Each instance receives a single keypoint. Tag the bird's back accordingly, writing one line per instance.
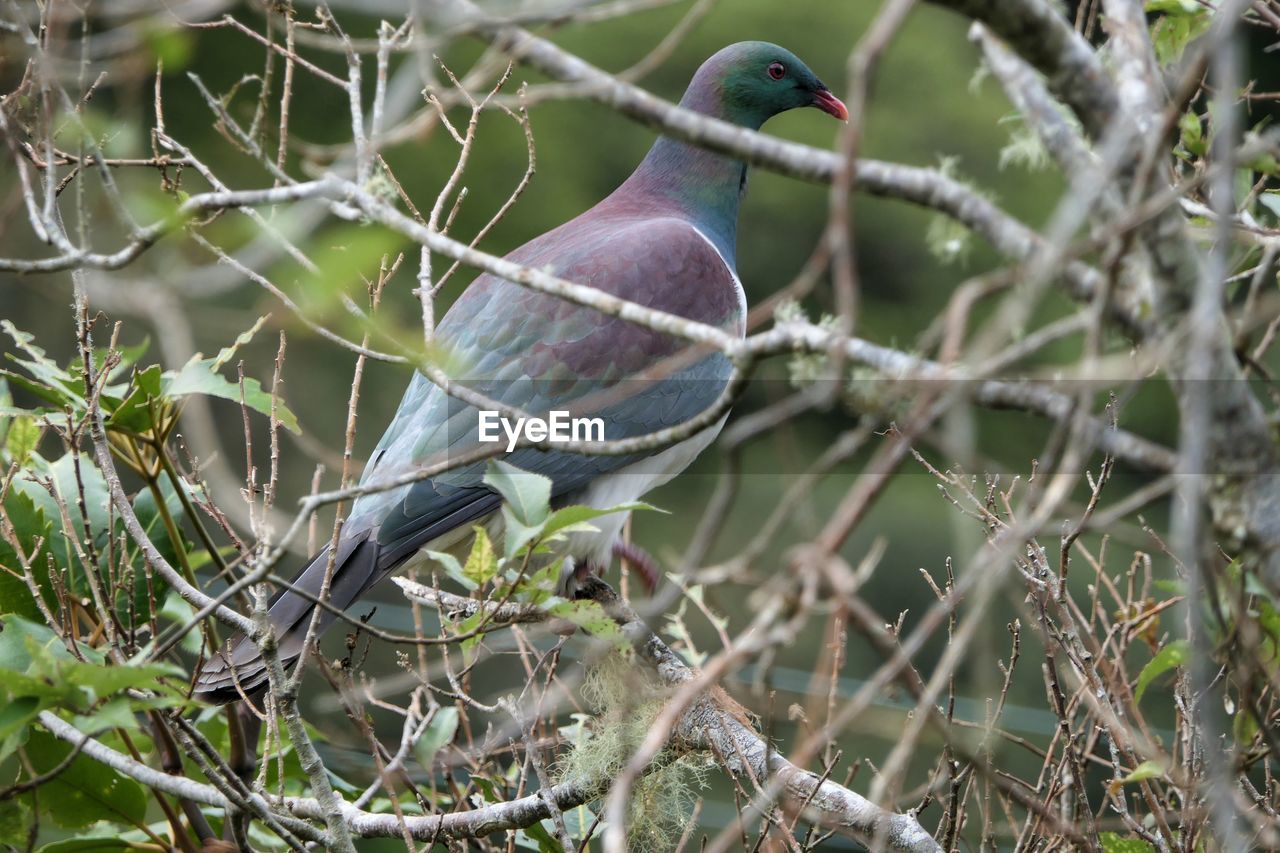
(538, 352)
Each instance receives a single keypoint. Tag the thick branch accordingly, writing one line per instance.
(1039, 32)
(512, 814)
(707, 726)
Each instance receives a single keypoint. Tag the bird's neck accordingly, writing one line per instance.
(694, 183)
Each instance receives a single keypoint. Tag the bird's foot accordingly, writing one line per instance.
(591, 586)
(644, 563)
(585, 577)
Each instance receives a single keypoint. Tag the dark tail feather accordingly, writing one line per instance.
(361, 562)
(238, 667)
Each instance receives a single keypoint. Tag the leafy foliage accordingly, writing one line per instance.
(1172, 655)
(64, 551)
(528, 571)
(85, 791)
(64, 542)
(1115, 843)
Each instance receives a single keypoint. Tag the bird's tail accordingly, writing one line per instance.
(238, 668)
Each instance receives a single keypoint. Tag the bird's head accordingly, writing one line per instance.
(749, 82)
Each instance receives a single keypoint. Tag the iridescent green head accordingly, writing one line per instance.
(749, 82)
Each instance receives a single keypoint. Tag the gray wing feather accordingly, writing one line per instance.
(532, 352)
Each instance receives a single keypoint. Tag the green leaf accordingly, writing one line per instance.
(1115, 843)
(14, 821)
(51, 662)
(199, 376)
(87, 845)
(7, 409)
(175, 609)
(453, 568)
(1269, 620)
(515, 533)
(30, 527)
(590, 617)
(34, 662)
(37, 515)
(439, 734)
(1173, 654)
(148, 511)
(21, 439)
(15, 716)
(528, 495)
(482, 563)
(1177, 28)
(126, 357)
(70, 475)
(572, 519)
(106, 680)
(541, 835)
(1171, 586)
(487, 788)
(86, 791)
(119, 713)
(51, 381)
(15, 653)
(129, 355)
(1270, 199)
(133, 413)
(1192, 133)
(1145, 770)
(1173, 7)
(579, 821)
(58, 399)
(542, 585)
(173, 46)
(229, 352)
(466, 626)
(1243, 728)
(1265, 163)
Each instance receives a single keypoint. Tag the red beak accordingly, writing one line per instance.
(830, 104)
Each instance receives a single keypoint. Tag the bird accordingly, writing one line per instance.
(666, 238)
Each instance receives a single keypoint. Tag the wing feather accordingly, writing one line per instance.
(540, 353)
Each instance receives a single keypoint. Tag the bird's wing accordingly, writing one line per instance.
(532, 352)
(540, 353)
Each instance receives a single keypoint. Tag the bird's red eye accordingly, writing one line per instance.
(777, 70)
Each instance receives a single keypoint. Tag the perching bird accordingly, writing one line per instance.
(666, 238)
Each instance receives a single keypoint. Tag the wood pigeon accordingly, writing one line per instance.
(666, 239)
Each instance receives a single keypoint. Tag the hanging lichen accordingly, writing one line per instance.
(626, 702)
